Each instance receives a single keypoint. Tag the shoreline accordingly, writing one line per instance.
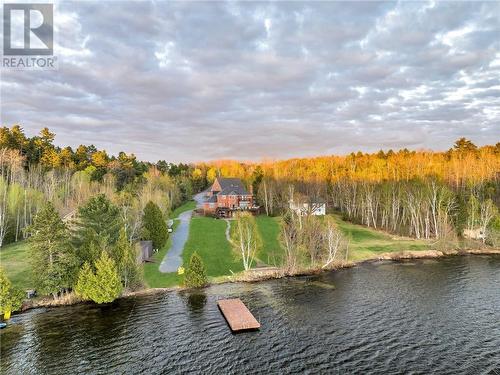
(269, 273)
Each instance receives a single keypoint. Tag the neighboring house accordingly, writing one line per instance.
(226, 196)
(312, 208)
(475, 234)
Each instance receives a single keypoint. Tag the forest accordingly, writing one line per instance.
(82, 210)
(420, 194)
(81, 213)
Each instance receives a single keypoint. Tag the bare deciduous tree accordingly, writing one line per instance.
(245, 238)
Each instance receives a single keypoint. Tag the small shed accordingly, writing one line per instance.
(145, 251)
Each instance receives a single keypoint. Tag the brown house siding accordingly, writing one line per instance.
(238, 198)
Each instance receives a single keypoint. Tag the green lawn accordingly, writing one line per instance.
(366, 243)
(207, 237)
(14, 260)
(189, 205)
(272, 252)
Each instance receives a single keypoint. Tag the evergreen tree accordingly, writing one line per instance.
(125, 257)
(11, 299)
(98, 222)
(86, 283)
(52, 258)
(464, 146)
(155, 225)
(196, 275)
(103, 286)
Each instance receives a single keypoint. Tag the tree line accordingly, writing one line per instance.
(422, 194)
(33, 170)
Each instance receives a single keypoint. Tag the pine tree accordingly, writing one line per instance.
(107, 280)
(103, 286)
(98, 222)
(52, 258)
(155, 225)
(86, 283)
(125, 257)
(196, 276)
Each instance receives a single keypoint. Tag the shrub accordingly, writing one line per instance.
(196, 275)
(11, 299)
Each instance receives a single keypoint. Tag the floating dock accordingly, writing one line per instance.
(237, 315)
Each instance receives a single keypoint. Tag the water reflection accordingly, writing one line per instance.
(196, 301)
(377, 318)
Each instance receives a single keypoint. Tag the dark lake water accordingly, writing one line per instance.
(426, 316)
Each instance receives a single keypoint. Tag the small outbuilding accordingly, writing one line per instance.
(316, 208)
(145, 251)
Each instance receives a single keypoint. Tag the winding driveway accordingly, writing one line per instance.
(173, 258)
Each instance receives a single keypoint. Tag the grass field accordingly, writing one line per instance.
(272, 253)
(14, 260)
(207, 237)
(189, 205)
(365, 243)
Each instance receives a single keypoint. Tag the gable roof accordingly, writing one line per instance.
(231, 186)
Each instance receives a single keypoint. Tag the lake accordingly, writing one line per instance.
(423, 316)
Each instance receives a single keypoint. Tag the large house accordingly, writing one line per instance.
(226, 196)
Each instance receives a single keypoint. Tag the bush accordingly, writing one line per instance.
(155, 226)
(196, 275)
(11, 299)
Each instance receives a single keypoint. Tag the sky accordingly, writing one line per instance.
(193, 81)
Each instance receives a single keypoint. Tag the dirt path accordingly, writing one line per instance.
(228, 230)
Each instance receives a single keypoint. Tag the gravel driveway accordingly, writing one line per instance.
(173, 258)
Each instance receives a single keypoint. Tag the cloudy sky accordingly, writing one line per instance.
(189, 81)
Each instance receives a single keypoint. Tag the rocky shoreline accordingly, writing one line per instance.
(268, 273)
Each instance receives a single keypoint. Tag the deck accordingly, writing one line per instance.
(237, 315)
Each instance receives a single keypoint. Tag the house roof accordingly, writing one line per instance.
(232, 186)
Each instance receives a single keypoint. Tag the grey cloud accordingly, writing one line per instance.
(187, 81)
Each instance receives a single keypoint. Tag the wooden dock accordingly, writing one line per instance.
(237, 315)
